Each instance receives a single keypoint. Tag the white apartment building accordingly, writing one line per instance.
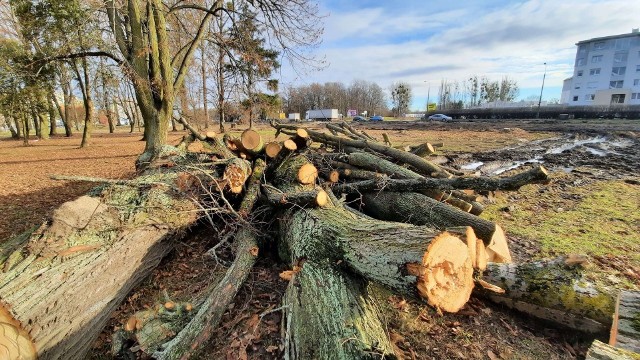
(606, 72)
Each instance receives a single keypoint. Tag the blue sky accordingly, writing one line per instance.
(422, 42)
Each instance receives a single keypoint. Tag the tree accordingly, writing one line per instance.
(400, 98)
(157, 70)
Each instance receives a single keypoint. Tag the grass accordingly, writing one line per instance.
(604, 220)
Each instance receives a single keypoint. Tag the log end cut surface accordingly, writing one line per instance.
(15, 342)
(447, 280)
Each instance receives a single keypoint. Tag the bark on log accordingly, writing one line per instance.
(537, 175)
(602, 351)
(625, 332)
(419, 209)
(414, 260)
(189, 341)
(316, 197)
(553, 290)
(327, 315)
(63, 284)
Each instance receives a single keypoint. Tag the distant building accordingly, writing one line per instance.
(606, 72)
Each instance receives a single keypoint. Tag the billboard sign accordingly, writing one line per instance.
(352, 112)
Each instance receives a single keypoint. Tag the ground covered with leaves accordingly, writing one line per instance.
(591, 207)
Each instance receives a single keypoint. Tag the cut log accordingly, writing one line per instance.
(252, 141)
(62, 286)
(210, 135)
(301, 138)
(553, 290)
(423, 150)
(316, 197)
(625, 331)
(413, 260)
(602, 351)
(419, 209)
(468, 236)
(327, 315)
(236, 174)
(272, 149)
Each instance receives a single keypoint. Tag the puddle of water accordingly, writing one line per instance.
(597, 152)
(574, 144)
(515, 165)
(472, 166)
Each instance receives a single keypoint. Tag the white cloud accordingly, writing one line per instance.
(514, 39)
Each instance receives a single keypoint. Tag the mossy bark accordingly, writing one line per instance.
(327, 315)
(602, 351)
(62, 285)
(553, 290)
(420, 209)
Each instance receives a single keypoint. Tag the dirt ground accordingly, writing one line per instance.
(595, 195)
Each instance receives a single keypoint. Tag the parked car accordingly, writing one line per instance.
(440, 117)
(359, 118)
(376, 118)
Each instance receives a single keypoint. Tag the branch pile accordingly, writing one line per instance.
(349, 210)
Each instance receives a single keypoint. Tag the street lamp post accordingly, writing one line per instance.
(428, 93)
(541, 89)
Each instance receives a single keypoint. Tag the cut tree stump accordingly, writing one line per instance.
(625, 331)
(59, 289)
(553, 290)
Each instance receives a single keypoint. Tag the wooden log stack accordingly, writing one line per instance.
(413, 231)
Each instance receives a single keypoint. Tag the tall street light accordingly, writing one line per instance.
(541, 89)
(428, 93)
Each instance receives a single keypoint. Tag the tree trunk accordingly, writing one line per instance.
(61, 286)
(553, 290)
(7, 122)
(625, 332)
(414, 260)
(328, 315)
(53, 130)
(419, 209)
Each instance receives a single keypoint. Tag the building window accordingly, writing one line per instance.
(636, 82)
(599, 45)
(579, 72)
(635, 96)
(637, 68)
(596, 58)
(622, 44)
(582, 49)
(592, 85)
(580, 62)
(620, 57)
(618, 70)
(590, 97)
(616, 84)
(617, 98)
(575, 98)
(577, 86)
(595, 71)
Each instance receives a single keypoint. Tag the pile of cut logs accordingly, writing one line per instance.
(349, 210)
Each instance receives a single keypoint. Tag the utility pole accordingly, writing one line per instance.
(541, 89)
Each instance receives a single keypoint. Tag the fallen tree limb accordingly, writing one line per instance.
(553, 290)
(536, 175)
(419, 209)
(189, 341)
